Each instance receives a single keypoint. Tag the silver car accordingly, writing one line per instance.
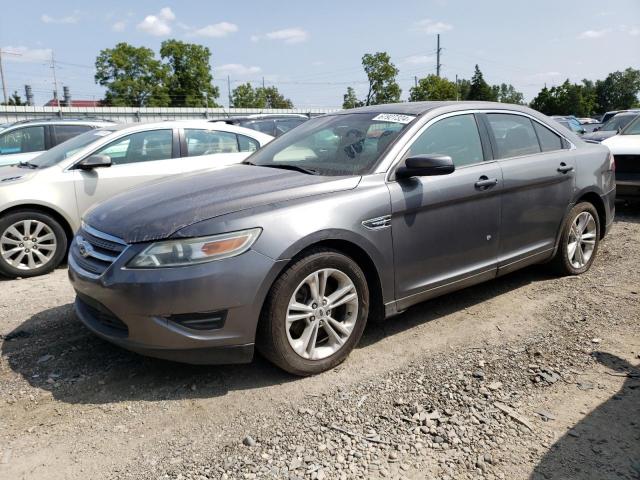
(351, 215)
(21, 141)
(42, 200)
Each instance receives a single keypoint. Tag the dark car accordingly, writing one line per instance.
(613, 126)
(351, 215)
(271, 124)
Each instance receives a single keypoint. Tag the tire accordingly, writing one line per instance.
(50, 246)
(276, 337)
(565, 262)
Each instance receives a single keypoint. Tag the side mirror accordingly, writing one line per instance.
(95, 161)
(426, 165)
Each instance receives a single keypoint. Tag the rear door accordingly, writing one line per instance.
(137, 158)
(446, 228)
(205, 149)
(538, 168)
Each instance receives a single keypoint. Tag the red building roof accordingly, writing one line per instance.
(74, 103)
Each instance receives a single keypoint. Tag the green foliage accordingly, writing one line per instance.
(383, 87)
(14, 100)
(480, 89)
(618, 91)
(433, 87)
(349, 100)
(132, 77)
(245, 96)
(190, 79)
(464, 86)
(508, 94)
(567, 99)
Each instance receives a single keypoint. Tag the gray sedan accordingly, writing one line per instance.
(349, 216)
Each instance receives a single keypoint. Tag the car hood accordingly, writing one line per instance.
(623, 144)
(156, 211)
(599, 135)
(12, 174)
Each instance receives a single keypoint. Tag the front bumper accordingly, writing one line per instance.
(133, 308)
(628, 185)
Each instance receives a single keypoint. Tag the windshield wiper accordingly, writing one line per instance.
(27, 164)
(286, 166)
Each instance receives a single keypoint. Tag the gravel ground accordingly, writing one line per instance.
(528, 376)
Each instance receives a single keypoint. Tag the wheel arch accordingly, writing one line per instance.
(594, 198)
(59, 217)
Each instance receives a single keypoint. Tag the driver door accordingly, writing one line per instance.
(136, 158)
(446, 228)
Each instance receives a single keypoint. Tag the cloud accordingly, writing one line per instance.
(432, 26)
(119, 26)
(237, 69)
(159, 24)
(74, 18)
(26, 54)
(287, 35)
(634, 31)
(216, 30)
(419, 59)
(588, 34)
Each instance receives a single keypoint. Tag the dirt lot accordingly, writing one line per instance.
(528, 376)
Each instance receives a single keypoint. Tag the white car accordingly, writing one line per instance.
(43, 200)
(26, 139)
(625, 148)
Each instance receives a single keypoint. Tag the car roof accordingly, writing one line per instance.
(261, 116)
(420, 108)
(200, 124)
(61, 121)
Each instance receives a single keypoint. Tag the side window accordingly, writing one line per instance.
(549, 141)
(66, 132)
(139, 147)
(514, 135)
(456, 136)
(208, 142)
(264, 126)
(247, 144)
(22, 140)
(283, 126)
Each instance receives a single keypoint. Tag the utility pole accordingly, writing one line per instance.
(438, 65)
(4, 85)
(457, 89)
(262, 83)
(415, 81)
(229, 89)
(55, 82)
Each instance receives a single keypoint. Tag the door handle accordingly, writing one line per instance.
(564, 168)
(485, 183)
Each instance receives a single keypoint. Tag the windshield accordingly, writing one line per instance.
(334, 145)
(633, 128)
(68, 148)
(619, 121)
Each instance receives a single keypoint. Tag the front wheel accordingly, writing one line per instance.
(31, 243)
(315, 313)
(579, 240)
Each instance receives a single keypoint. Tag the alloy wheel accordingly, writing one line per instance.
(28, 244)
(322, 314)
(582, 240)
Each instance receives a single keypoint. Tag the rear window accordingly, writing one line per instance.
(549, 141)
(209, 142)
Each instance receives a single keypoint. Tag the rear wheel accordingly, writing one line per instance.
(31, 243)
(315, 313)
(579, 241)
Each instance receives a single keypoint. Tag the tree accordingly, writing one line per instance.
(132, 77)
(566, 99)
(383, 87)
(480, 89)
(14, 100)
(245, 96)
(349, 100)
(433, 87)
(619, 90)
(508, 94)
(190, 79)
(464, 86)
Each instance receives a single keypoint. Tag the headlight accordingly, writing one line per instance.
(190, 251)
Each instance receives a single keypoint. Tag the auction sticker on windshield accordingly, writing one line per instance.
(394, 117)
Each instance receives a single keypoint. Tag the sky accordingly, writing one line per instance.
(312, 50)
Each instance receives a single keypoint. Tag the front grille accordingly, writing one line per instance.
(627, 163)
(94, 251)
(102, 315)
